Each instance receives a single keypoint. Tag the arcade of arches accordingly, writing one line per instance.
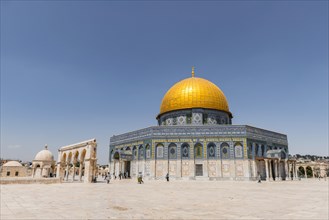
(218, 160)
(78, 162)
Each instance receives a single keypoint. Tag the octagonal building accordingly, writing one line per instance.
(195, 139)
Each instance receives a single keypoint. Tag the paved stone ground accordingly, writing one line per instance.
(125, 199)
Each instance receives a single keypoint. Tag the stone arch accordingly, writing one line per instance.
(211, 150)
(116, 155)
(225, 150)
(172, 151)
(83, 155)
(69, 158)
(185, 151)
(198, 151)
(76, 157)
(63, 158)
(309, 171)
(301, 171)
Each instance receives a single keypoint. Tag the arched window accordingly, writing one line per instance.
(250, 150)
(116, 155)
(238, 150)
(198, 151)
(141, 153)
(148, 152)
(256, 149)
(159, 151)
(172, 149)
(225, 151)
(211, 151)
(185, 151)
(134, 153)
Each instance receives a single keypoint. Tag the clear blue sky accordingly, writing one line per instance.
(75, 70)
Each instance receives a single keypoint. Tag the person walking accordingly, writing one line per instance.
(167, 177)
(107, 178)
(140, 178)
(259, 178)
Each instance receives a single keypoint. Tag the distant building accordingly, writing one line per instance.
(13, 169)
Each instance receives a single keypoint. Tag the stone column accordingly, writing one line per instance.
(305, 172)
(313, 171)
(88, 174)
(266, 169)
(58, 171)
(73, 172)
(271, 175)
(279, 170)
(275, 170)
(260, 151)
(166, 148)
(67, 171)
(253, 150)
(286, 169)
(296, 170)
(80, 171)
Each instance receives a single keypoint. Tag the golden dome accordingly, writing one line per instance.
(194, 92)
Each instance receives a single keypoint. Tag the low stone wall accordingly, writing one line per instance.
(28, 180)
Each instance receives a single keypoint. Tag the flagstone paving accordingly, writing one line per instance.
(125, 199)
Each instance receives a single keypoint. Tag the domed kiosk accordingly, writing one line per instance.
(195, 139)
(43, 164)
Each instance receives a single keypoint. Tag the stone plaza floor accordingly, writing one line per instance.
(125, 199)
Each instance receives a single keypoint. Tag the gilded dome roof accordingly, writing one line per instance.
(44, 155)
(194, 92)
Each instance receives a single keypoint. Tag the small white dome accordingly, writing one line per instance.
(44, 155)
(13, 164)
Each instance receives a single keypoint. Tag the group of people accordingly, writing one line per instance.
(125, 176)
(121, 175)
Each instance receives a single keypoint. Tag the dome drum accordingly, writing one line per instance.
(196, 116)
